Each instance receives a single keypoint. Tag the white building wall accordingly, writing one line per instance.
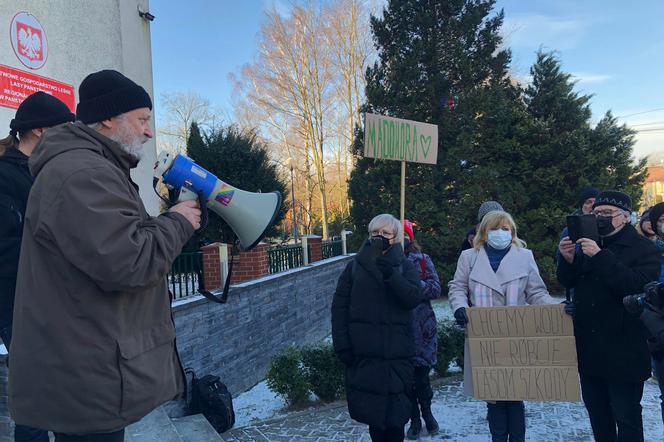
(85, 36)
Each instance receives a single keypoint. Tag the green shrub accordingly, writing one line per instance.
(323, 371)
(286, 376)
(458, 337)
(450, 346)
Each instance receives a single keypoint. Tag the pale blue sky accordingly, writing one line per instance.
(613, 47)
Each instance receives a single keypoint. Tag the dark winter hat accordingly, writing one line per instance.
(486, 207)
(613, 198)
(106, 94)
(645, 216)
(588, 192)
(39, 110)
(655, 212)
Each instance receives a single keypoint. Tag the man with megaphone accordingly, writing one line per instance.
(94, 343)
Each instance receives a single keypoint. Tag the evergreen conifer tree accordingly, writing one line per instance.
(429, 53)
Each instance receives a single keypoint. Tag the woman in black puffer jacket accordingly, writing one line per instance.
(372, 330)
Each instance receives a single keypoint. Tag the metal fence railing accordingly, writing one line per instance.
(185, 273)
(332, 248)
(283, 258)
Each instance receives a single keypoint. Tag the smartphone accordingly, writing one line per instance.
(582, 226)
(376, 246)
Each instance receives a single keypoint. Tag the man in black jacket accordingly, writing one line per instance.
(611, 343)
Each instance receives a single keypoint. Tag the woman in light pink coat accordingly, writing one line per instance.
(498, 271)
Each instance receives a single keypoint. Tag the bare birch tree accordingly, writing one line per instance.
(304, 91)
(181, 109)
(291, 81)
(351, 49)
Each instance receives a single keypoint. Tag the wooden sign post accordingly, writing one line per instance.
(390, 138)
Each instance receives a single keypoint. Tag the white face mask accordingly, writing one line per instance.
(499, 239)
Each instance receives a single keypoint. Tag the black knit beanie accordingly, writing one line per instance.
(655, 212)
(106, 94)
(39, 110)
(588, 192)
(645, 216)
(613, 198)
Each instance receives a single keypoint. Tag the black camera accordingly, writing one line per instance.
(653, 296)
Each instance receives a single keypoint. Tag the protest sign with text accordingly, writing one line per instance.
(390, 138)
(522, 353)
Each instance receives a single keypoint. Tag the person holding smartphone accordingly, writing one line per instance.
(610, 342)
(372, 330)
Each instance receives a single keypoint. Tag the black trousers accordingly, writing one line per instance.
(7, 288)
(507, 421)
(29, 434)
(611, 405)
(117, 436)
(387, 435)
(422, 388)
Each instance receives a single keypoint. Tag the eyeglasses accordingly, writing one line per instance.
(386, 233)
(606, 213)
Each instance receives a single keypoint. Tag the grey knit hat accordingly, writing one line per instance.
(486, 207)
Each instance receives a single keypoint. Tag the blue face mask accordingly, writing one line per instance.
(499, 239)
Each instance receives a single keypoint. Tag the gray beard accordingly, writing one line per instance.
(129, 144)
(135, 150)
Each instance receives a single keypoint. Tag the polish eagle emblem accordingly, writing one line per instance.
(30, 44)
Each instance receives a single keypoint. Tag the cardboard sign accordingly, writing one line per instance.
(390, 138)
(525, 353)
(16, 85)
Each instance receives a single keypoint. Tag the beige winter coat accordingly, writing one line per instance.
(516, 282)
(93, 346)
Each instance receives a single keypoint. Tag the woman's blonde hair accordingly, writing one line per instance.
(494, 220)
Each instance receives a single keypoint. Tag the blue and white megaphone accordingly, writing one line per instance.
(249, 214)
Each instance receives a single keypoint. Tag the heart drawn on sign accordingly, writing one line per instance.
(426, 149)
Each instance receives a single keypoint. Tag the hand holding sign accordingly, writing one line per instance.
(522, 353)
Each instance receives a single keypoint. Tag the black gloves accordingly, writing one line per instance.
(461, 316)
(385, 266)
(569, 308)
(346, 357)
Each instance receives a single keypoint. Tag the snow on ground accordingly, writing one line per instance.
(257, 404)
(441, 307)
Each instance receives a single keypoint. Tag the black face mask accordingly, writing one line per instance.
(605, 225)
(385, 241)
(406, 243)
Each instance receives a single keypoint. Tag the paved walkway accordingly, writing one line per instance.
(461, 419)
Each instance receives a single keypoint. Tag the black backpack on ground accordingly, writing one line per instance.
(210, 397)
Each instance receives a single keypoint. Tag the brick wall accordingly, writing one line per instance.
(250, 265)
(315, 247)
(212, 267)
